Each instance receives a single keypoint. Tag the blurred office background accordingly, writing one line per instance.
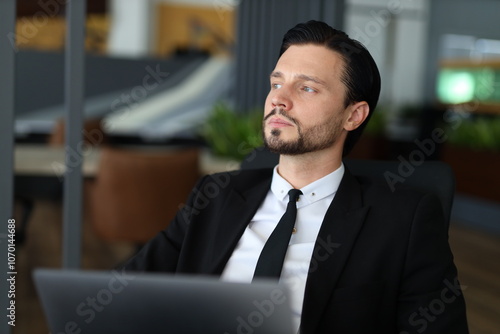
(174, 89)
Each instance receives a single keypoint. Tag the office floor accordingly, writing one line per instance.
(476, 255)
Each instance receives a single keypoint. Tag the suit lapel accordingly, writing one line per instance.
(239, 209)
(337, 236)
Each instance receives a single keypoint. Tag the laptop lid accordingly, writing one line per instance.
(100, 302)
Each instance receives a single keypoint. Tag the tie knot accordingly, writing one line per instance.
(294, 194)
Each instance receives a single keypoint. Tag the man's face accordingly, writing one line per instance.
(304, 110)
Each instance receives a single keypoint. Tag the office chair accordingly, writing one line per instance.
(430, 176)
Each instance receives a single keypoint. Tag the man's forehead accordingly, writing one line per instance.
(309, 62)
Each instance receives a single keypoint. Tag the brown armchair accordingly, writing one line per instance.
(137, 192)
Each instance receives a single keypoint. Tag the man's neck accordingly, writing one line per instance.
(301, 170)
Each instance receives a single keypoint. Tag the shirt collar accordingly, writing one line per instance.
(312, 192)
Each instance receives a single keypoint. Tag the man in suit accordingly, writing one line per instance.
(361, 258)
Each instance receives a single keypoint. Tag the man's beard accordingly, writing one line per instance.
(315, 138)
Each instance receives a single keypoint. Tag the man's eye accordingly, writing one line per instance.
(275, 85)
(308, 89)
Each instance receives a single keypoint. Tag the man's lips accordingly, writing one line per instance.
(277, 122)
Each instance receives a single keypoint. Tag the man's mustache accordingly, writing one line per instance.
(280, 112)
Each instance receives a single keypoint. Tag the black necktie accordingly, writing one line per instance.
(273, 254)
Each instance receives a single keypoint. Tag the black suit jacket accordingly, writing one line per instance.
(381, 263)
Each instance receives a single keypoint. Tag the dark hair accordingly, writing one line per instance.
(360, 76)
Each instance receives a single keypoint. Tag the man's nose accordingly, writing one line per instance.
(281, 100)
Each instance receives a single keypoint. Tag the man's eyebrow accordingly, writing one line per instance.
(304, 77)
(311, 78)
(276, 74)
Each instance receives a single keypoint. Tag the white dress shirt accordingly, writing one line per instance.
(311, 209)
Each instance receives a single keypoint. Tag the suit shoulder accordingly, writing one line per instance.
(380, 189)
(401, 203)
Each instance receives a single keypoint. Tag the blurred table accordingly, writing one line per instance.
(39, 174)
(43, 161)
(48, 161)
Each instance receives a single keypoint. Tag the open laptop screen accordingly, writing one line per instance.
(118, 302)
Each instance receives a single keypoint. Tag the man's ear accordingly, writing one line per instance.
(358, 112)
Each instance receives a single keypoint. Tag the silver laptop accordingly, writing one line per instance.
(99, 302)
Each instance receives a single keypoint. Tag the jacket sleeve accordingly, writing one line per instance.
(431, 298)
(161, 254)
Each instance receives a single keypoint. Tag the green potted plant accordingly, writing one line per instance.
(476, 133)
(473, 150)
(230, 135)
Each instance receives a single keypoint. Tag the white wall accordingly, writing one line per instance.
(395, 33)
(131, 28)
